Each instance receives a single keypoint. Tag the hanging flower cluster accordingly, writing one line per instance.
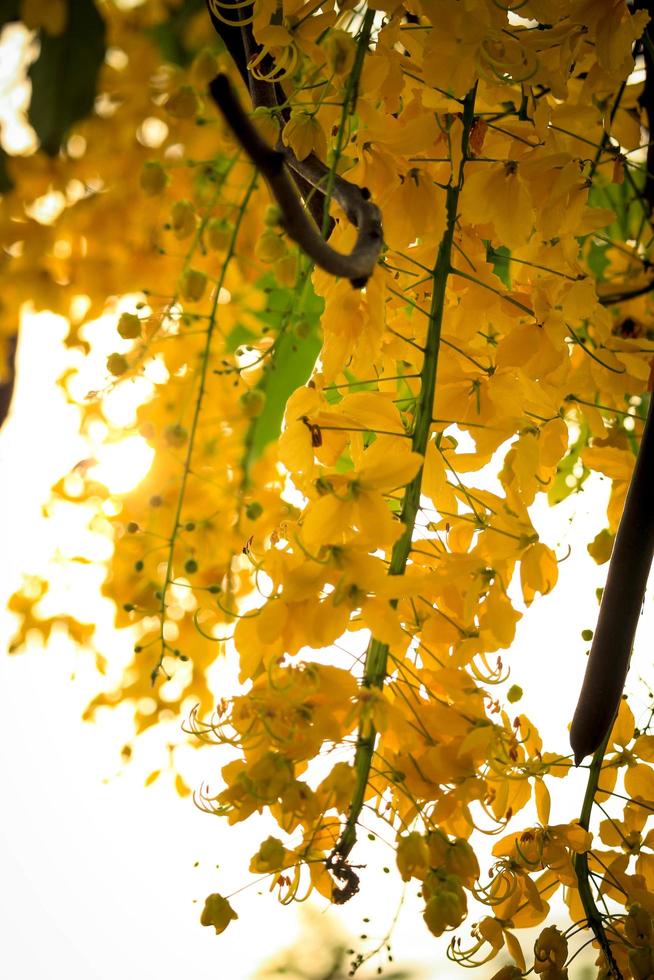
(318, 440)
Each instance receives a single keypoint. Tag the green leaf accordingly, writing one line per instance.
(598, 263)
(291, 365)
(292, 359)
(565, 482)
(501, 259)
(64, 76)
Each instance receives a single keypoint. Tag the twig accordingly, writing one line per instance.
(375, 669)
(593, 915)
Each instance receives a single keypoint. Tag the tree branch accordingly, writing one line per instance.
(359, 264)
(7, 386)
(236, 35)
(622, 599)
(594, 917)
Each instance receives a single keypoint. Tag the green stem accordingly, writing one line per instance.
(213, 319)
(349, 106)
(593, 915)
(375, 669)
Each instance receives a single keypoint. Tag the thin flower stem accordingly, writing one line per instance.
(359, 265)
(349, 106)
(498, 292)
(169, 577)
(594, 917)
(375, 669)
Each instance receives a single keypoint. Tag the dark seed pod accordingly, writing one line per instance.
(622, 599)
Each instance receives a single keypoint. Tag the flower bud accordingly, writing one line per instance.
(154, 178)
(217, 912)
(219, 234)
(129, 326)
(117, 364)
(182, 219)
(252, 402)
(550, 950)
(270, 246)
(461, 861)
(446, 903)
(183, 104)
(193, 285)
(412, 856)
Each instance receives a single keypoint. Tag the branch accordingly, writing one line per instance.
(625, 295)
(359, 264)
(7, 386)
(236, 34)
(622, 599)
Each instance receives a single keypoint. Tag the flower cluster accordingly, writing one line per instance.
(316, 488)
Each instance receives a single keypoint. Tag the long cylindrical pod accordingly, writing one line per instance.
(622, 599)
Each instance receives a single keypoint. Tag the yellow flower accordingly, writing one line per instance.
(446, 902)
(412, 856)
(217, 912)
(550, 951)
(271, 856)
(340, 48)
(304, 135)
(497, 195)
(538, 571)
(638, 926)
(355, 503)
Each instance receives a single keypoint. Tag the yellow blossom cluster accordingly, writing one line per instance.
(318, 443)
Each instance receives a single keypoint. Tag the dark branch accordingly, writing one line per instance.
(622, 599)
(7, 386)
(237, 37)
(626, 294)
(360, 263)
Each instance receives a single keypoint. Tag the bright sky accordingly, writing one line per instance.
(98, 872)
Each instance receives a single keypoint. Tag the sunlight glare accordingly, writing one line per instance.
(122, 465)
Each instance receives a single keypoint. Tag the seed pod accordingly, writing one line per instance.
(622, 599)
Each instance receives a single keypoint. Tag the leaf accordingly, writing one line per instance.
(542, 797)
(501, 259)
(64, 75)
(291, 363)
(566, 482)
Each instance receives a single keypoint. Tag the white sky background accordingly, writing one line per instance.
(97, 876)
